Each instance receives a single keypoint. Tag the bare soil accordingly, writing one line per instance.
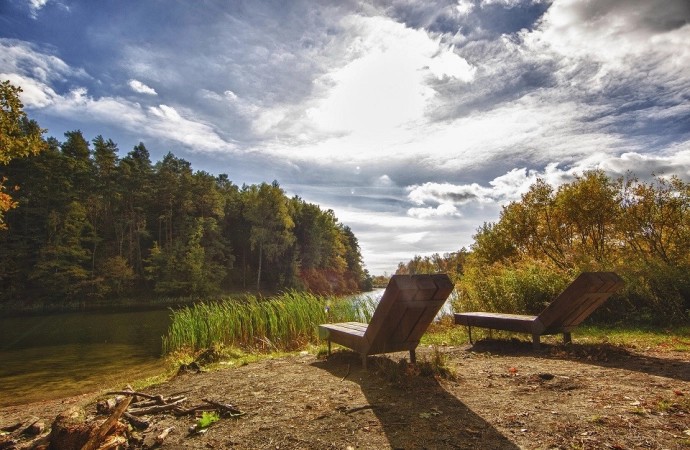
(504, 396)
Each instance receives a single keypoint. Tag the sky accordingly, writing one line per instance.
(413, 120)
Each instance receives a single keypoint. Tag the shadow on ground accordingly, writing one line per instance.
(415, 411)
(602, 355)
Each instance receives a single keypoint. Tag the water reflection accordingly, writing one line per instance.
(60, 355)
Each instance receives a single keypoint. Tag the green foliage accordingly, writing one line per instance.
(91, 225)
(639, 230)
(450, 263)
(524, 288)
(207, 419)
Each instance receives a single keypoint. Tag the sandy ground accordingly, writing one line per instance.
(504, 396)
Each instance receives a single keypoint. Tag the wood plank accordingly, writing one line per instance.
(405, 311)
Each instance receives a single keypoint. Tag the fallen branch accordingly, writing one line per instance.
(194, 409)
(224, 408)
(138, 394)
(160, 401)
(103, 430)
(346, 374)
(161, 437)
(156, 408)
(136, 422)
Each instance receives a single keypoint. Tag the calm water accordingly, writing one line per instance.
(48, 357)
(60, 355)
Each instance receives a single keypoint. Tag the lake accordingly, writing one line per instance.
(61, 355)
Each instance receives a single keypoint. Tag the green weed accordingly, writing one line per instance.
(207, 419)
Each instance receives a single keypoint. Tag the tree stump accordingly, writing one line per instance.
(69, 429)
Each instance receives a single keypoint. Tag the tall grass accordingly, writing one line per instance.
(285, 322)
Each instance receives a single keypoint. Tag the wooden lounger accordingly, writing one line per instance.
(407, 308)
(563, 315)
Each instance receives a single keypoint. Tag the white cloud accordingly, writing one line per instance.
(411, 238)
(141, 88)
(464, 7)
(444, 209)
(35, 6)
(382, 85)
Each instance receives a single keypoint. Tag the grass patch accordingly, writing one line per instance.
(637, 337)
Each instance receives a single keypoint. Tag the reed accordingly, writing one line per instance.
(285, 322)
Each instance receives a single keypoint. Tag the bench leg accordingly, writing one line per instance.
(567, 339)
(329, 347)
(413, 357)
(364, 361)
(535, 341)
(469, 334)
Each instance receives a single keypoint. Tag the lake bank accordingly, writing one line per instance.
(504, 396)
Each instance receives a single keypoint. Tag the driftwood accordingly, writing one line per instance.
(136, 422)
(224, 408)
(161, 401)
(194, 409)
(156, 408)
(137, 394)
(97, 437)
(164, 434)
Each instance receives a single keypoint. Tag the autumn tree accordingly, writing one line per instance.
(19, 137)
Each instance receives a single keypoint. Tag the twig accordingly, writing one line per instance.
(227, 408)
(138, 394)
(348, 373)
(135, 421)
(156, 408)
(161, 401)
(184, 412)
(161, 437)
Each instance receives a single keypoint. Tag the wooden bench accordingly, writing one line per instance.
(563, 315)
(408, 306)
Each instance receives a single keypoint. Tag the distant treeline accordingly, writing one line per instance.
(89, 224)
(641, 230)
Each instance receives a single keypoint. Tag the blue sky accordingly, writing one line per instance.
(414, 120)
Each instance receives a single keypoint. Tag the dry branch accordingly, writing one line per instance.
(156, 408)
(224, 408)
(103, 430)
(136, 422)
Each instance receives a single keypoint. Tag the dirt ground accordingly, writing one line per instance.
(504, 396)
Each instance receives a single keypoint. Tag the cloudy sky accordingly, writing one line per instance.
(414, 120)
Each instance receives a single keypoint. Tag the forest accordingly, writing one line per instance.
(82, 223)
(638, 229)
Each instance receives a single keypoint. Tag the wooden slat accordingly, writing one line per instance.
(407, 307)
(497, 321)
(585, 294)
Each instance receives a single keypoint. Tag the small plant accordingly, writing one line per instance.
(639, 411)
(207, 419)
(596, 419)
(437, 366)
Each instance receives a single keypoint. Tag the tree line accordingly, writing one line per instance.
(638, 229)
(85, 223)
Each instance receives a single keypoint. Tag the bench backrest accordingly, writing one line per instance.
(407, 308)
(579, 300)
